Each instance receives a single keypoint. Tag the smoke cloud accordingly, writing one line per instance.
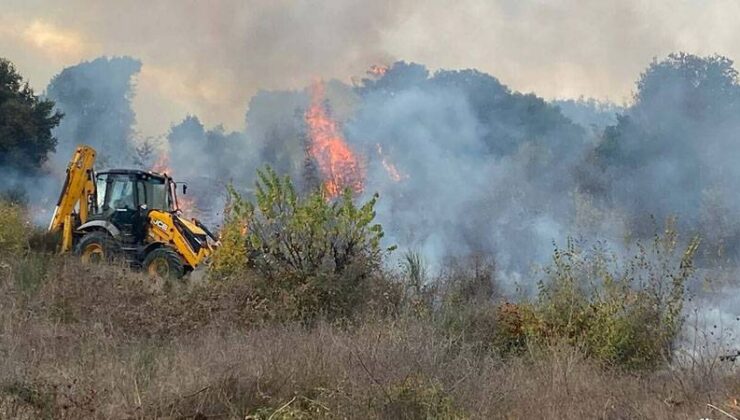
(479, 168)
(208, 60)
(95, 98)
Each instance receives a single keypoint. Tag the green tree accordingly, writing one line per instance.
(95, 97)
(681, 134)
(26, 122)
(314, 256)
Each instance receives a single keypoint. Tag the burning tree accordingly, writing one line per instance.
(338, 165)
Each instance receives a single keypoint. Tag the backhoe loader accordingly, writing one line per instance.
(130, 214)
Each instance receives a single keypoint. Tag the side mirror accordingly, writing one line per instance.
(184, 189)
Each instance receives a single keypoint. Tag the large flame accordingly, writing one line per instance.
(339, 166)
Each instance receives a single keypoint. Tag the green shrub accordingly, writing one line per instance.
(471, 323)
(14, 228)
(30, 271)
(464, 301)
(14, 195)
(40, 397)
(627, 314)
(468, 280)
(230, 257)
(418, 292)
(416, 398)
(42, 241)
(313, 256)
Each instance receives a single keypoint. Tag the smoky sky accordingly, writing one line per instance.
(209, 58)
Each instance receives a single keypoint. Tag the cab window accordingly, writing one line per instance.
(101, 184)
(157, 194)
(120, 193)
(141, 192)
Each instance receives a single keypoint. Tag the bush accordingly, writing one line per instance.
(230, 257)
(468, 280)
(30, 271)
(313, 256)
(626, 316)
(14, 195)
(460, 299)
(14, 228)
(515, 324)
(418, 293)
(416, 398)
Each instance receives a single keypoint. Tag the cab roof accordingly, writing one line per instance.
(135, 172)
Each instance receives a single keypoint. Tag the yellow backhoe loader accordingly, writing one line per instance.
(130, 214)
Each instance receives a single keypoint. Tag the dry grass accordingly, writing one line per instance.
(103, 342)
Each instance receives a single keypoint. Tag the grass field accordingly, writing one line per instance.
(104, 342)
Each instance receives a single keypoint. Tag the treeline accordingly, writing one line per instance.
(522, 170)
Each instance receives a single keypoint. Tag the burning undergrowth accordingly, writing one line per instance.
(465, 165)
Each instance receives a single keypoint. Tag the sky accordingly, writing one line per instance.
(209, 57)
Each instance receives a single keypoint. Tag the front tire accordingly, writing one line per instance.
(96, 247)
(164, 263)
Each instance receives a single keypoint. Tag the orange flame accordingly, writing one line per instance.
(390, 168)
(377, 70)
(185, 204)
(339, 166)
(162, 165)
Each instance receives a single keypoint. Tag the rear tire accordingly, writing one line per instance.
(164, 263)
(96, 247)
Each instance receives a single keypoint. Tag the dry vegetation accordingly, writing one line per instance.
(106, 342)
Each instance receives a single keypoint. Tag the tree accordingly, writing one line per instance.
(315, 257)
(680, 134)
(26, 122)
(680, 103)
(95, 97)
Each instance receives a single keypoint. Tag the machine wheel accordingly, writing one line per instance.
(164, 263)
(96, 247)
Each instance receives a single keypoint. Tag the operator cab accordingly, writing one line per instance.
(124, 197)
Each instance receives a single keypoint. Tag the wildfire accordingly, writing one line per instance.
(390, 168)
(184, 203)
(339, 166)
(162, 165)
(377, 70)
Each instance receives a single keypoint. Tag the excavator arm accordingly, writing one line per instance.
(77, 196)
